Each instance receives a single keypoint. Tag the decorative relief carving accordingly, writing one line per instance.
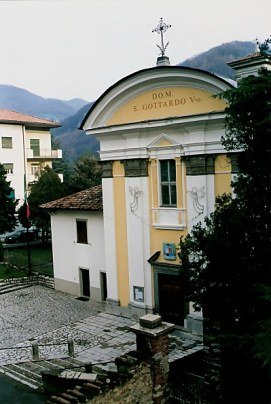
(197, 194)
(135, 192)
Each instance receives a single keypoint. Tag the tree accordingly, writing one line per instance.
(86, 173)
(8, 204)
(23, 216)
(7, 207)
(227, 261)
(46, 189)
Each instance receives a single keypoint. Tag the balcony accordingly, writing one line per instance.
(43, 154)
(35, 177)
(169, 218)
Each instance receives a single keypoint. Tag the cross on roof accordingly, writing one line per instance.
(161, 29)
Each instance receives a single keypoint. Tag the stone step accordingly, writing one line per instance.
(65, 363)
(29, 373)
(19, 377)
(34, 367)
(26, 370)
(54, 364)
(73, 362)
(48, 365)
(12, 288)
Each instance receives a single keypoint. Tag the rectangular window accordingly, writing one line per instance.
(35, 146)
(8, 167)
(35, 169)
(82, 235)
(168, 183)
(7, 142)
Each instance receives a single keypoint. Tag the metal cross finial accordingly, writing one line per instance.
(161, 29)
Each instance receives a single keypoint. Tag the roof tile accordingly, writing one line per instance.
(89, 199)
(8, 116)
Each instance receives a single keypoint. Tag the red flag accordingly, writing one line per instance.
(27, 209)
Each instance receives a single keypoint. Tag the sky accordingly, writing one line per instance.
(78, 48)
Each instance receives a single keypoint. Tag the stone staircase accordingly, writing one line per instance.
(6, 287)
(29, 373)
(13, 284)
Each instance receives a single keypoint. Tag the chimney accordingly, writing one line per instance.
(153, 342)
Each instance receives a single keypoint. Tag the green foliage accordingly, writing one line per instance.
(46, 189)
(1, 252)
(74, 142)
(6, 272)
(227, 261)
(7, 205)
(41, 258)
(22, 217)
(265, 47)
(86, 173)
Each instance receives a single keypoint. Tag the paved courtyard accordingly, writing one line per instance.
(30, 312)
(51, 318)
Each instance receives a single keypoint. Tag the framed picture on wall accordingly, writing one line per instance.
(169, 251)
(138, 294)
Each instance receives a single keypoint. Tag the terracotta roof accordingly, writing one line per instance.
(250, 58)
(8, 116)
(89, 199)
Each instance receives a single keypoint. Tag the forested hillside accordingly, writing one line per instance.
(70, 114)
(21, 100)
(215, 60)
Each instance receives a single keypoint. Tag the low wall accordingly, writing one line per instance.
(136, 390)
(31, 281)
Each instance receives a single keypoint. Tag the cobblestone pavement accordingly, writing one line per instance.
(51, 317)
(34, 311)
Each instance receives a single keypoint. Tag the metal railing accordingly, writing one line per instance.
(43, 153)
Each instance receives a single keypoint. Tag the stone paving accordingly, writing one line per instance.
(51, 317)
(34, 311)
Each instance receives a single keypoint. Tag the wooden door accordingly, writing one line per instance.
(85, 282)
(171, 298)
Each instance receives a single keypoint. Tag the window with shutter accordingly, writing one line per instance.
(6, 142)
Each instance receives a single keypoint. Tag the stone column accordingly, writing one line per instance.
(153, 342)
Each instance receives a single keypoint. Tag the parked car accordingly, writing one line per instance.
(21, 236)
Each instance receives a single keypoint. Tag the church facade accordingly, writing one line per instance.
(163, 166)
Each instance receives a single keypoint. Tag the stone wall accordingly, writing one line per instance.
(32, 280)
(137, 390)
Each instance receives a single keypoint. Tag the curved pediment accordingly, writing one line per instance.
(165, 102)
(157, 93)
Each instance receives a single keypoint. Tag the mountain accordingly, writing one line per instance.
(70, 114)
(215, 60)
(73, 141)
(77, 103)
(19, 99)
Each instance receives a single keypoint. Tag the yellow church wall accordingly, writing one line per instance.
(153, 182)
(160, 236)
(121, 233)
(179, 182)
(165, 102)
(222, 175)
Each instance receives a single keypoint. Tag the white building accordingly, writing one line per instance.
(163, 166)
(78, 244)
(25, 148)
